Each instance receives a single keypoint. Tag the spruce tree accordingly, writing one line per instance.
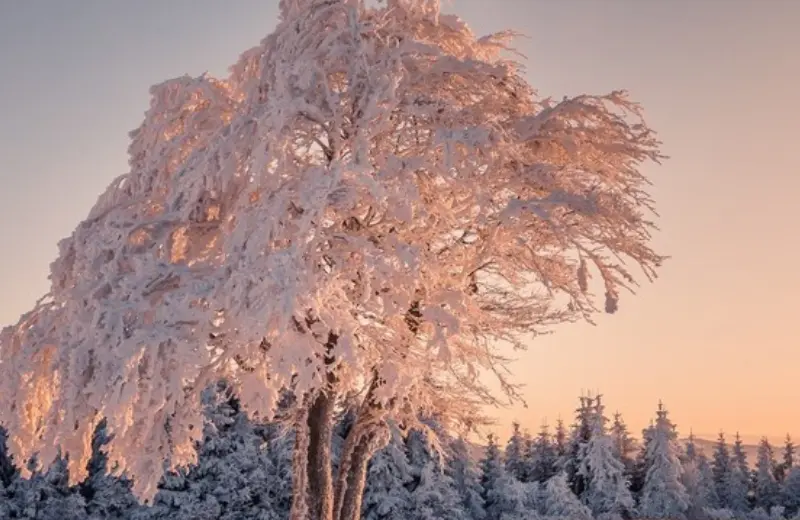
(782, 469)
(45, 495)
(560, 444)
(739, 479)
(389, 475)
(664, 494)
(504, 497)
(243, 470)
(515, 453)
(766, 487)
(575, 451)
(107, 497)
(466, 479)
(7, 470)
(624, 444)
(790, 493)
(722, 468)
(698, 480)
(433, 492)
(639, 472)
(606, 492)
(542, 459)
(560, 503)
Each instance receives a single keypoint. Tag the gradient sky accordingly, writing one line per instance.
(718, 78)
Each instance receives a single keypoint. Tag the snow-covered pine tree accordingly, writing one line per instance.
(45, 495)
(7, 470)
(607, 493)
(515, 453)
(731, 490)
(503, 496)
(466, 478)
(698, 480)
(575, 452)
(560, 503)
(766, 488)
(663, 494)
(624, 444)
(739, 479)
(433, 492)
(787, 460)
(721, 466)
(386, 496)
(8, 474)
(107, 497)
(560, 443)
(243, 470)
(790, 492)
(640, 463)
(542, 457)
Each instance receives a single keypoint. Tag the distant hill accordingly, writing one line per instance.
(704, 445)
(707, 446)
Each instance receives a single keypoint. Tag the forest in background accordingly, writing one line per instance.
(591, 469)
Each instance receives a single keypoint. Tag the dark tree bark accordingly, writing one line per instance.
(320, 478)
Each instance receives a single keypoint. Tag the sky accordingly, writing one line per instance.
(712, 338)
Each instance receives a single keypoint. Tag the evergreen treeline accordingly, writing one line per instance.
(591, 470)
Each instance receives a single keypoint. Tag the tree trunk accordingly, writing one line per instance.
(320, 477)
(299, 509)
(350, 445)
(350, 508)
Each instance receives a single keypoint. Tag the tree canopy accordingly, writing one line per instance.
(374, 196)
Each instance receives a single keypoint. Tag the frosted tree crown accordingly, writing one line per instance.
(372, 191)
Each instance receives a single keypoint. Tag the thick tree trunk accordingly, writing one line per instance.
(320, 462)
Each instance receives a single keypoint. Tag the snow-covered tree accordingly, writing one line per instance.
(739, 478)
(640, 466)
(698, 480)
(515, 453)
(386, 496)
(466, 479)
(624, 444)
(730, 483)
(433, 492)
(243, 470)
(560, 443)
(663, 494)
(576, 449)
(790, 493)
(370, 203)
(503, 496)
(106, 496)
(561, 503)
(722, 467)
(759, 513)
(45, 495)
(7, 469)
(766, 487)
(607, 493)
(542, 457)
(787, 462)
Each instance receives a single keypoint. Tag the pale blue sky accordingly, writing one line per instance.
(715, 338)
